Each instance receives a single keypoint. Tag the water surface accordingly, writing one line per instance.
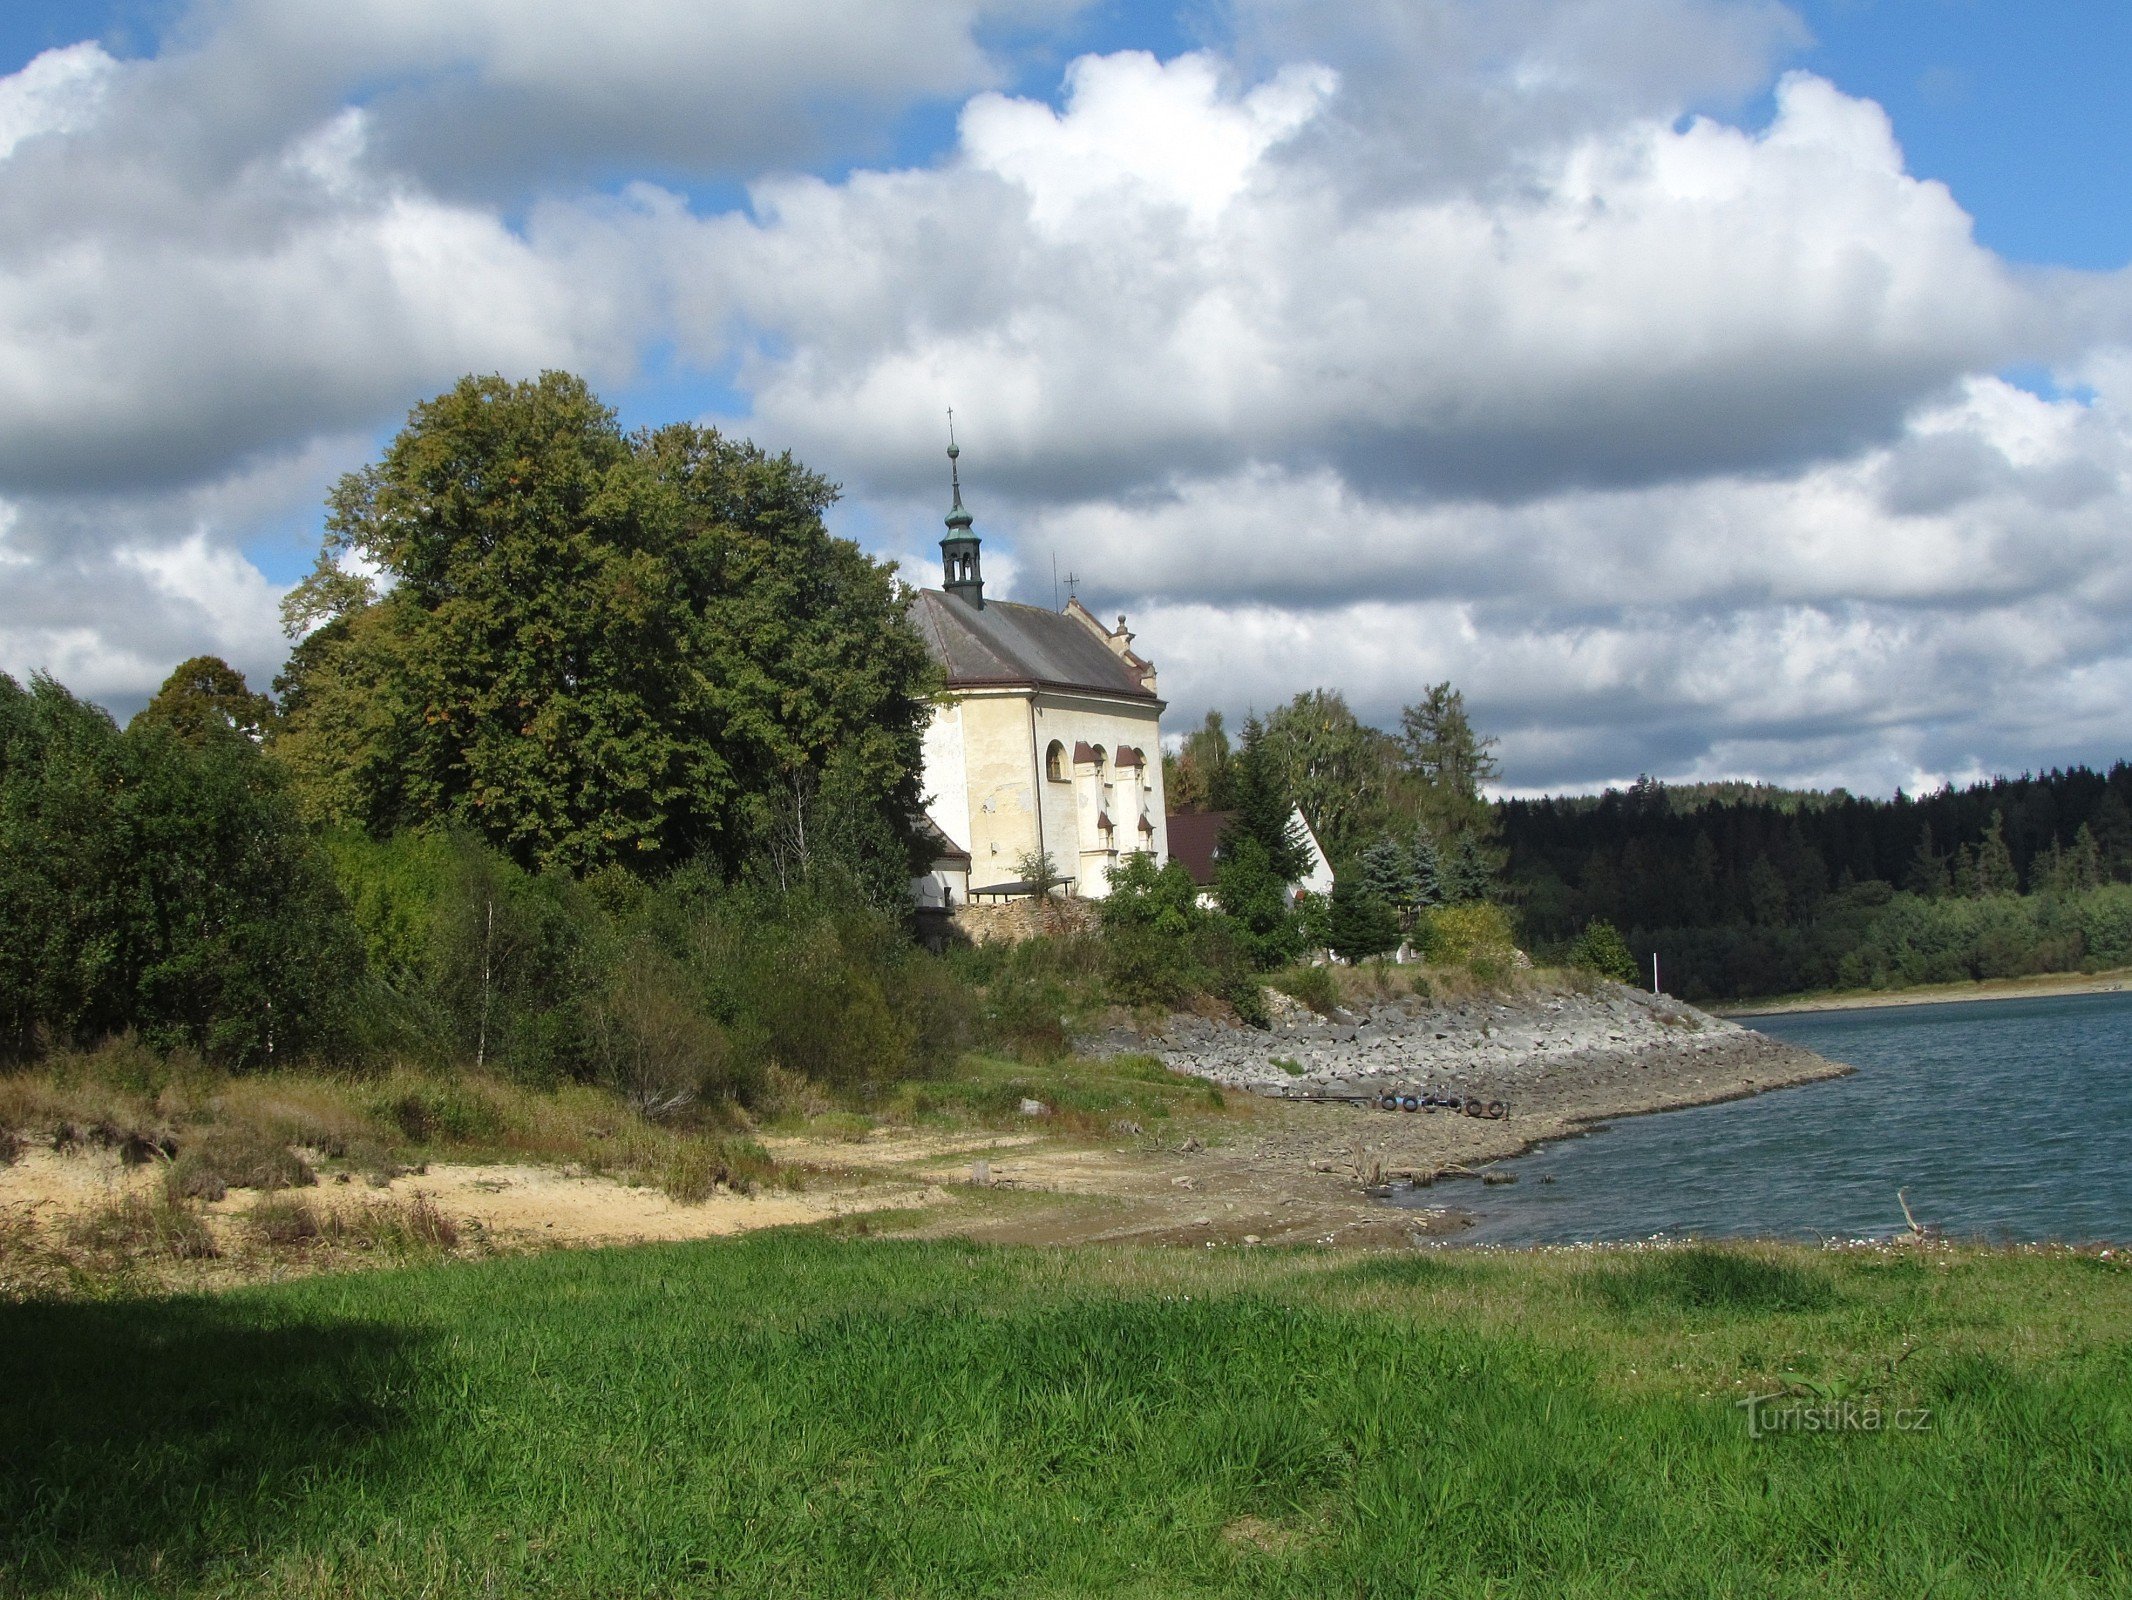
(2003, 1119)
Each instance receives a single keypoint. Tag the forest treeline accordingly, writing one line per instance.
(1741, 893)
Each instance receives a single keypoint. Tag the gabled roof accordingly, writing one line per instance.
(1194, 836)
(1004, 645)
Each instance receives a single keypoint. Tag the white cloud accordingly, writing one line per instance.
(1379, 343)
(1664, 301)
(56, 92)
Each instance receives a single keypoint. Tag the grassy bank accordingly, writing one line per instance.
(794, 1415)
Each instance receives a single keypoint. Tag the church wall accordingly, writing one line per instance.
(1001, 777)
(1071, 807)
(947, 786)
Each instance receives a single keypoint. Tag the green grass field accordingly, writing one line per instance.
(798, 1415)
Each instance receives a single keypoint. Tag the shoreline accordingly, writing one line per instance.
(2042, 985)
(1313, 1171)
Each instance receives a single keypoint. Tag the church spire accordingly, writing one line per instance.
(963, 578)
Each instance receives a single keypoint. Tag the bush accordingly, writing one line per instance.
(1455, 934)
(441, 1111)
(1601, 949)
(1314, 986)
(235, 1156)
(159, 881)
(282, 1220)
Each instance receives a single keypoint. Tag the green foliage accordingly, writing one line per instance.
(601, 650)
(1314, 986)
(1160, 948)
(206, 698)
(1362, 925)
(1388, 871)
(1747, 892)
(1262, 806)
(1454, 934)
(1155, 934)
(1331, 764)
(1037, 869)
(157, 879)
(1451, 762)
(1995, 863)
(1254, 897)
(1601, 949)
(1197, 778)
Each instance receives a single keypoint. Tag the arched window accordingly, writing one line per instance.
(1055, 762)
(1098, 756)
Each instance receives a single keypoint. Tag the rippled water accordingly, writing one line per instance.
(2003, 1119)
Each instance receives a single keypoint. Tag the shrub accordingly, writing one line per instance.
(1314, 986)
(1254, 897)
(1153, 925)
(411, 1224)
(1601, 949)
(442, 1111)
(1454, 934)
(236, 1156)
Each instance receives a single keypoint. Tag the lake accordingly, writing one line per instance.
(2002, 1119)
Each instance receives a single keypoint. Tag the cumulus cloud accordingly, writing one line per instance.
(493, 95)
(1374, 344)
(1675, 442)
(1671, 300)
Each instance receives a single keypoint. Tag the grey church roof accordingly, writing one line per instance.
(1001, 644)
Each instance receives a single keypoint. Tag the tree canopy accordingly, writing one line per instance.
(597, 650)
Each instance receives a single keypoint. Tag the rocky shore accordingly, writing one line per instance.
(1545, 1039)
(1559, 1056)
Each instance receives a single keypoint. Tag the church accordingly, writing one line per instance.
(1046, 738)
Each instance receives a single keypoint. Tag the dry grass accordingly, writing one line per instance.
(141, 1225)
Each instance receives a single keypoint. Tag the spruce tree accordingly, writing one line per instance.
(1362, 925)
(1426, 864)
(1262, 809)
(1388, 873)
(1995, 873)
(1927, 875)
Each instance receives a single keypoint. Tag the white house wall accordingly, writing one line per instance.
(945, 775)
(987, 786)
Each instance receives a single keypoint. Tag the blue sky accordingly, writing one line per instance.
(1606, 356)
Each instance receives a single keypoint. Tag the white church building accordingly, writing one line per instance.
(1047, 737)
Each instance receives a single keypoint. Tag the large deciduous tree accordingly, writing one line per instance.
(601, 650)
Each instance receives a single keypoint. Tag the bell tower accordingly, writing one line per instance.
(963, 576)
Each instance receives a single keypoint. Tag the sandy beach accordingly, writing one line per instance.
(1935, 994)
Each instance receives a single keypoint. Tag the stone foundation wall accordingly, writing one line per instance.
(1012, 921)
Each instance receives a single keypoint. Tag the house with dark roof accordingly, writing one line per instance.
(1195, 844)
(1046, 742)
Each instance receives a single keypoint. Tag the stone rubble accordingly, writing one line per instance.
(1489, 1046)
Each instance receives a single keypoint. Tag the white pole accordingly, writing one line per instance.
(1654, 972)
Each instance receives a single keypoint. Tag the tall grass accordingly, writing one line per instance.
(791, 1416)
